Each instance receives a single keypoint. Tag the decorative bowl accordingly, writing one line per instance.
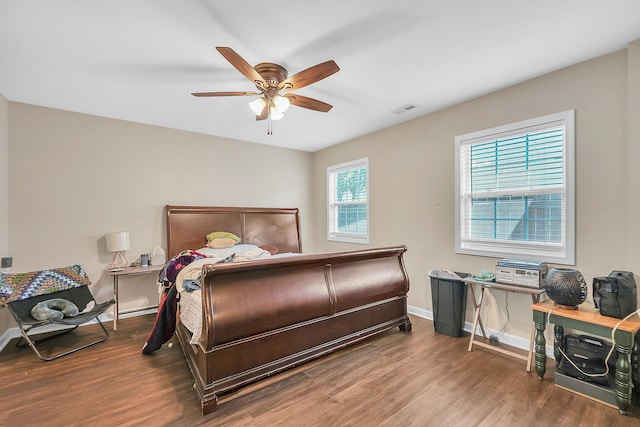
(566, 287)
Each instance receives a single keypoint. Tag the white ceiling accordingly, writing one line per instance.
(139, 60)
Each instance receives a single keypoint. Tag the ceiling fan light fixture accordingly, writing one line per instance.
(258, 105)
(281, 103)
(274, 114)
(272, 81)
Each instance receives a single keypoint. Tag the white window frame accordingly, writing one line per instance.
(562, 253)
(332, 218)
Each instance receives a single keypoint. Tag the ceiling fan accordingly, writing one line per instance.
(275, 86)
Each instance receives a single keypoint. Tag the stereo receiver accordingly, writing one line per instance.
(521, 273)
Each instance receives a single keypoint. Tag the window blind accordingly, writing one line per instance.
(516, 188)
(348, 205)
(513, 190)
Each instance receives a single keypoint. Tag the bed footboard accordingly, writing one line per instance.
(264, 317)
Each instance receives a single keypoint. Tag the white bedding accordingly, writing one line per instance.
(191, 313)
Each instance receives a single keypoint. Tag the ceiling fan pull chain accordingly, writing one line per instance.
(269, 128)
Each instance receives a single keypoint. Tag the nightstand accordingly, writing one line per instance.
(128, 271)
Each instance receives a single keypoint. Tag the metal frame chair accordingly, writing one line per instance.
(80, 296)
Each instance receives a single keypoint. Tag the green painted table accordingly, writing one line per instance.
(588, 319)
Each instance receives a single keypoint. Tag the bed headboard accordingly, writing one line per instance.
(187, 226)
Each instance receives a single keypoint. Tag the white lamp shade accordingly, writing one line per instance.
(257, 106)
(281, 103)
(118, 242)
(275, 114)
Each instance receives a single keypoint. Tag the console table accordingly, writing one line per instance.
(535, 293)
(127, 271)
(587, 319)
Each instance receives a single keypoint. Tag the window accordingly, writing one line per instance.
(515, 190)
(348, 202)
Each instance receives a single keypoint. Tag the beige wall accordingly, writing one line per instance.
(75, 177)
(633, 159)
(412, 178)
(4, 177)
(4, 197)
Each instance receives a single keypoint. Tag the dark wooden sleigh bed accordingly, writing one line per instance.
(266, 316)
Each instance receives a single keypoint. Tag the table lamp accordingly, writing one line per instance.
(118, 243)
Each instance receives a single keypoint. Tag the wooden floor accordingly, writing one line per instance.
(397, 379)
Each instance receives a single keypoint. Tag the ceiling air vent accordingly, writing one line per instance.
(405, 108)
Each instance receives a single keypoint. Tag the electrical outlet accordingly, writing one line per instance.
(6, 262)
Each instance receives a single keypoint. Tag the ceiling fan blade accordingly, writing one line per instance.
(310, 76)
(225, 93)
(241, 65)
(309, 103)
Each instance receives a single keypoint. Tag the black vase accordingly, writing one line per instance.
(566, 287)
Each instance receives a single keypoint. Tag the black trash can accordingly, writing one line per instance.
(449, 301)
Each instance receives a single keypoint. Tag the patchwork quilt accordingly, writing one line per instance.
(19, 286)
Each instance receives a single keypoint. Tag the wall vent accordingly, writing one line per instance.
(405, 108)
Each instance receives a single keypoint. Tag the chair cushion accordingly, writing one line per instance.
(54, 309)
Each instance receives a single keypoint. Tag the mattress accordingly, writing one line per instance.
(191, 313)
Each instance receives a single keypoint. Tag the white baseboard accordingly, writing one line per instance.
(512, 340)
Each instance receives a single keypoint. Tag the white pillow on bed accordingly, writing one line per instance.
(238, 249)
(286, 254)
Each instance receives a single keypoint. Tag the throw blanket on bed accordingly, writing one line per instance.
(165, 324)
(171, 270)
(19, 286)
